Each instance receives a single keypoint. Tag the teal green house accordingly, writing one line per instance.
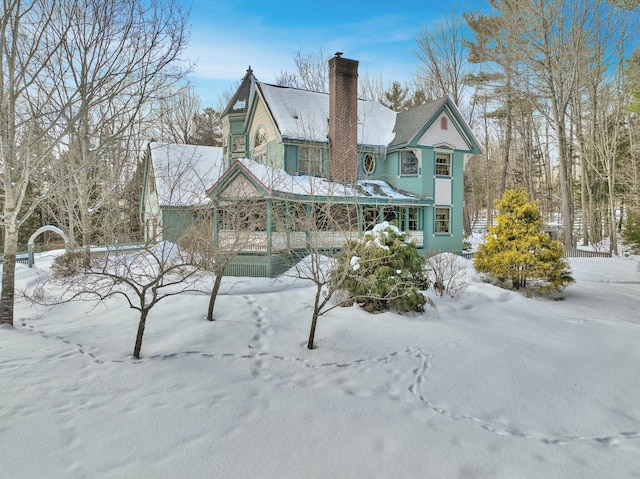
(317, 169)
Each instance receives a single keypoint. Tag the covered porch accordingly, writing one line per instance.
(276, 226)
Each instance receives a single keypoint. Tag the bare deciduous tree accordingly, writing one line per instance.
(327, 226)
(311, 72)
(118, 56)
(226, 230)
(30, 37)
(176, 114)
(442, 53)
(143, 278)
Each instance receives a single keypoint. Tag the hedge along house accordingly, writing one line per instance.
(175, 180)
(312, 153)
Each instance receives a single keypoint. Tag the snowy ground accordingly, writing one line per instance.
(491, 385)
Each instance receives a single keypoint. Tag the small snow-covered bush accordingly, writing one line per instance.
(447, 274)
(382, 271)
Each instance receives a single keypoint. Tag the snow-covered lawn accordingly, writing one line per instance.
(490, 385)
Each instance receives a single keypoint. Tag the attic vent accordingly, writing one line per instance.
(444, 123)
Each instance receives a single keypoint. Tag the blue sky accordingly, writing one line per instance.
(228, 36)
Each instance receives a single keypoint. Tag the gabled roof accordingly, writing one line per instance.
(278, 183)
(410, 122)
(304, 115)
(183, 172)
(240, 101)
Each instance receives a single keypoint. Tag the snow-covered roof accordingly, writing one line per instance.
(304, 115)
(184, 172)
(279, 181)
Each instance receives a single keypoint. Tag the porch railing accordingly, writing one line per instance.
(257, 241)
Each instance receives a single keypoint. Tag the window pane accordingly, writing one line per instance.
(442, 220)
(238, 144)
(309, 160)
(413, 219)
(443, 164)
(408, 163)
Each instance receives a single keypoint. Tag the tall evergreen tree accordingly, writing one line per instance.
(395, 97)
(207, 128)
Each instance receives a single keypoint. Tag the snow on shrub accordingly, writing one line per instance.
(382, 271)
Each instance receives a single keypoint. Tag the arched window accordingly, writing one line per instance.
(260, 138)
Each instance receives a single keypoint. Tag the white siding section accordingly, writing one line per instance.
(442, 191)
(451, 136)
(262, 119)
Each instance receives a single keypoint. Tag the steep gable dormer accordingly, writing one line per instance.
(234, 116)
(434, 124)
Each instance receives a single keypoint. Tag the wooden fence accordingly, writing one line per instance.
(568, 253)
(581, 253)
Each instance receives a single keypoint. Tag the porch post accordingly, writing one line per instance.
(287, 222)
(307, 231)
(216, 226)
(269, 226)
(405, 226)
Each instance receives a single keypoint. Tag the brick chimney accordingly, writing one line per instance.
(343, 118)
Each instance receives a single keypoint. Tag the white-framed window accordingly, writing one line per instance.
(442, 221)
(237, 148)
(414, 223)
(409, 164)
(309, 160)
(443, 164)
(409, 218)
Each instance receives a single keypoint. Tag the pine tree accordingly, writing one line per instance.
(395, 97)
(207, 128)
(383, 271)
(517, 251)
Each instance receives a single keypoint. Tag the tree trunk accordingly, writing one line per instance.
(613, 221)
(8, 276)
(507, 136)
(314, 319)
(566, 196)
(213, 296)
(141, 325)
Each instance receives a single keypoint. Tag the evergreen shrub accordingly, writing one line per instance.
(382, 270)
(517, 252)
